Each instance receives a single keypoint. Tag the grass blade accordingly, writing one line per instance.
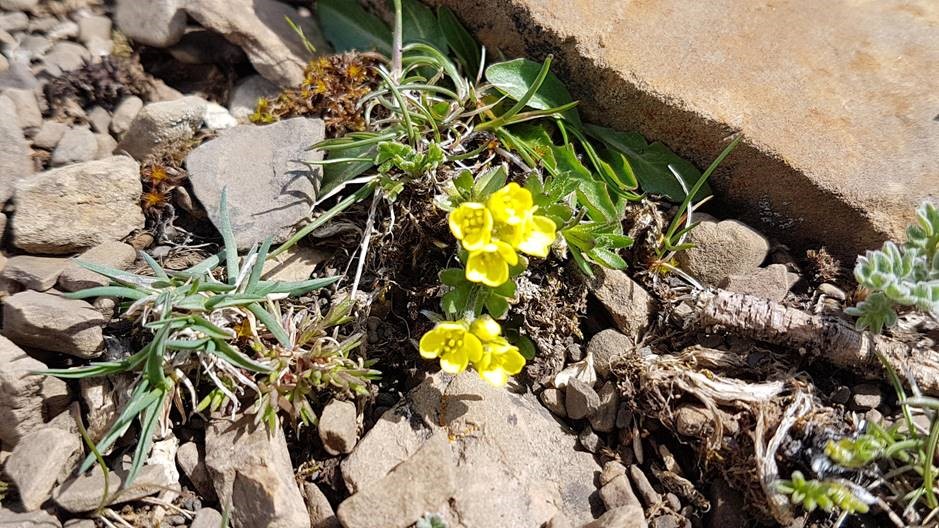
(272, 324)
(228, 238)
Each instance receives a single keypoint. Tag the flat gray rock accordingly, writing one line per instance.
(77, 207)
(160, 124)
(269, 189)
(14, 151)
(24, 396)
(497, 437)
(51, 322)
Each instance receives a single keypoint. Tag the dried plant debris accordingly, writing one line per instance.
(331, 89)
(822, 267)
(103, 83)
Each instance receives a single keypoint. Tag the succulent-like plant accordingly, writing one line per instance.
(906, 275)
(825, 494)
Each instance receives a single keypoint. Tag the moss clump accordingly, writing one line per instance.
(331, 88)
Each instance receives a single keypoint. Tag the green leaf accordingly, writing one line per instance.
(606, 258)
(228, 238)
(497, 306)
(272, 324)
(454, 301)
(515, 77)
(649, 163)
(620, 166)
(148, 422)
(490, 182)
(594, 196)
(506, 289)
(463, 45)
(452, 276)
(349, 27)
(535, 138)
(419, 24)
(232, 355)
(107, 291)
(464, 183)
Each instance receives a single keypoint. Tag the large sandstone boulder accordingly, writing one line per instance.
(841, 141)
(491, 457)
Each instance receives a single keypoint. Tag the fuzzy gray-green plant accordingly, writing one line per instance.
(901, 276)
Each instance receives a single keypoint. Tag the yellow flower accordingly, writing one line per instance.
(471, 223)
(499, 359)
(538, 233)
(453, 344)
(511, 204)
(490, 264)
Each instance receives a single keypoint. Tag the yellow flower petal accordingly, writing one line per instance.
(453, 344)
(497, 377)
(486, 328)
(507, 253)
(511, 204)
(488, 265)
(471, 223)
(538, 233)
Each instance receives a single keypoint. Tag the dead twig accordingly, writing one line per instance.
(825, 337)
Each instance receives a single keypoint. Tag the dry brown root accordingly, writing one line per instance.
(831, 339)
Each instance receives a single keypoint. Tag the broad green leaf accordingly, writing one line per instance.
(349, 27)
(595, 197)
(607, 258)
(463, 45)
(497, 305)
(515, 77)
(490, 182)
(535, 138)
(419, 24)
(452, 276)
(620, 166)
(650, 163)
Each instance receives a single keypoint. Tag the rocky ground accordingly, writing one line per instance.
(121, 124)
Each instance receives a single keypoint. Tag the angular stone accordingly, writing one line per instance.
(99, 118)
(422, 483)
(245, 95)
(158, 23)
(321, 512)
(106, 146)
(54, 323)
(190, 458)
(34, 273)
(15, 162)
(103, 396)
(269, 191)
(18, 5)
(37, 519)
(795, 99)
(83, 493)
(295, 264)
(24, 396)
(65, 57)
(77, 207)
(125, 113)
(13, 21)
(580, 400)
(499, 437)
(40, 459)
(338, 428)
(611, 470)
(606, 347)
(553, 400)
(259, 27)
(94, 27)
(723, 249)
(49, 135)
(649, 496)
(76, 145)
(112, 254)
(207, 518)
(27, 107)
(628, 303)
(771, 282)
(160, 124)
(252, 474)
(217, 117)
(604, 419)
(618, 493)
(865, 396)
(694, 421)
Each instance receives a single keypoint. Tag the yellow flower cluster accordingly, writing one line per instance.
(494, 231)
(481, 343)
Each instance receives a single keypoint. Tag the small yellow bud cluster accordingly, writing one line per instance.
(494, 231)
(480, 343)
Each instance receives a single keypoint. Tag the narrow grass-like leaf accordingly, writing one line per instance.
(158, 270)
(259, 264)
(272, 324)
(186, 344)
(227, 301)
(211, 330)
(107, 291)
(232, 355)
(102, 368)
(139, 400)
(296, 288)
(228, 238)
(203, 267)
(117, 275)
(148, 421)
